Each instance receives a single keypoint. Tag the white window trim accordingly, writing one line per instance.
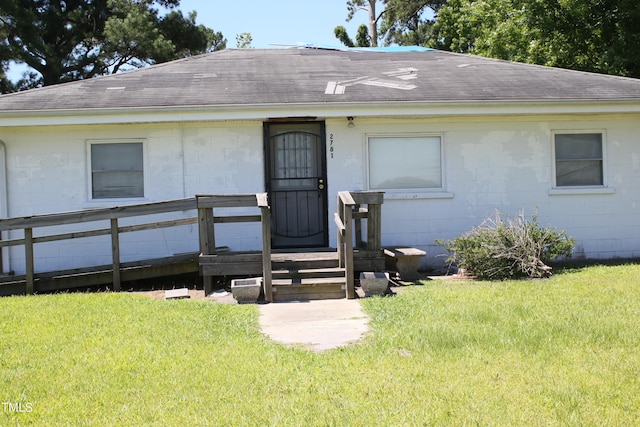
(409, 193)
(89, 182)
(580, 189)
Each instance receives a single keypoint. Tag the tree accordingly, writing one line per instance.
(370, 7)
(362, 37)
(78, 39)
(5, 84)
(371, 30)
(243, 40)
(410, 22)
(588, 35)
(403, 22)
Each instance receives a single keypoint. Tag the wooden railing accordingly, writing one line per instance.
(348, 219)
(353, 209)
(214, 264)
(113, 214)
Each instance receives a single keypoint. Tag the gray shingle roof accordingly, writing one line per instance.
(283, 76)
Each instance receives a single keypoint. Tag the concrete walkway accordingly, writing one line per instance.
(315, 325)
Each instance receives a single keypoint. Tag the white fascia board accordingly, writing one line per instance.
(323, 110)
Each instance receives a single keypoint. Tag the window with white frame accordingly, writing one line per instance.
(116, 169)
(579, 159)
(405, 162)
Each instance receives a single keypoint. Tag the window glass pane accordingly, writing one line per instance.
(116, 185)
(404, 162)
(579, 159)
(579, 146)
(117, 170)
(575, 173)
(112, 157)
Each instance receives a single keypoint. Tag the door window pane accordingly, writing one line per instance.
(294, 153)
(117, 170)
(405, 163)
(295, 160)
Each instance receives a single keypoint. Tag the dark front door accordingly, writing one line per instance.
(296, 183)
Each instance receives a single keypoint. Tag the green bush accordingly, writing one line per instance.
(504, 248)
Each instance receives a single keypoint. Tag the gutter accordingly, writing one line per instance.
(172, 114)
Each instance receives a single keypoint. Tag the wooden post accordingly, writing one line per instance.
(358, 227)
(202, 230)
(115, 253)
(374, 227)
(207, 232)
(207, 241)
(262, 201)
(341, 235)
(266, 252)
(207, 284)
(348, 250)
(28, 254)
(340, 238)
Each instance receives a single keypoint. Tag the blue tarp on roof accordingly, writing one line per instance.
(393, 49)
(364, 49)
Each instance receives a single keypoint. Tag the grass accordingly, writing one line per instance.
(563, 351)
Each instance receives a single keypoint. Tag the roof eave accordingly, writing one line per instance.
(168, 114)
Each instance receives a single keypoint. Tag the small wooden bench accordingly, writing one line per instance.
(404, 260)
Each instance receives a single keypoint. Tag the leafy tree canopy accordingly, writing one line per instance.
(409, 22)
(244, 40)
(77, 39)
(362, 37)
(402, 22)
(589, 35)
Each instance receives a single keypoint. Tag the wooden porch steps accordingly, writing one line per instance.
(309, 273)
(302, 274)
(311, 260)
(307, 276)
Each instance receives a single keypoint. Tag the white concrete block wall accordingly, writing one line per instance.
(48, 171)
(227, 158)
(506, 165)
(223, 157)
(489, 164)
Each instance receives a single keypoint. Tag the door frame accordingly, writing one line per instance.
(323, 170)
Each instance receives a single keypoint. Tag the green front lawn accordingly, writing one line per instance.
(563, 351)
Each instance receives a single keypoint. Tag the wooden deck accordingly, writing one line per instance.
(101, 275)
(287, 275)
(94, 223)
(300, 275)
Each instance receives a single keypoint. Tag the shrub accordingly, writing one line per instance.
(512, 247)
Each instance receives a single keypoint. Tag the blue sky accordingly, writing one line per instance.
(269, 22)
(275, 21)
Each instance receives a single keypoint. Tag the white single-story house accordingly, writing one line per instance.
(449, 138)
